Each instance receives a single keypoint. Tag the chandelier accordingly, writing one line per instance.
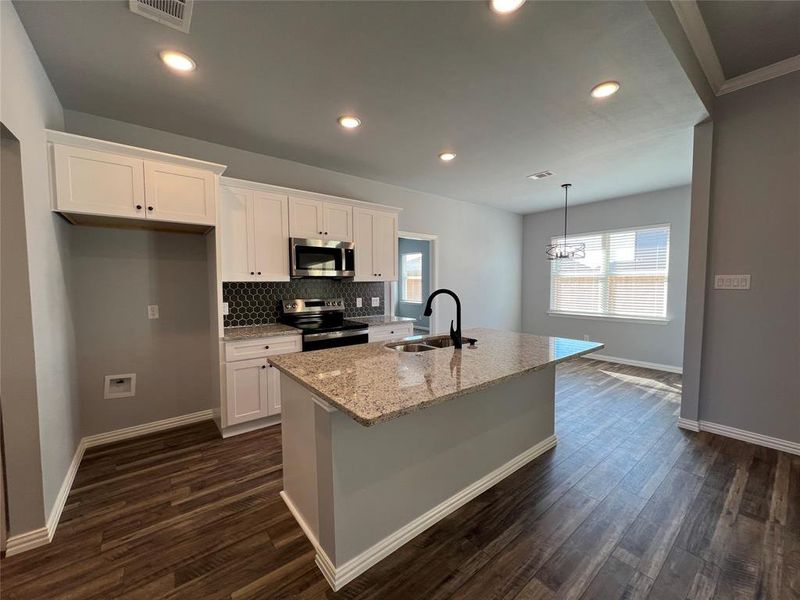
(562, 248)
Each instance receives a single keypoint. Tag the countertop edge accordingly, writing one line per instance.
(367, 422)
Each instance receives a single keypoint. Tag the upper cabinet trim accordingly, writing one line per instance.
(79, 141)
(277, 189)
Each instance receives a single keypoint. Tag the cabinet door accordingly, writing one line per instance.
(337, 221)
(247, 390)
(236, 234)
(271, 226)
(362, 237)
(180, 194)
(274, 383)
(384, 246)
(98, 183)
(305, 218)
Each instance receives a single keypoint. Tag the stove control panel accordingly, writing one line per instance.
(311, 305)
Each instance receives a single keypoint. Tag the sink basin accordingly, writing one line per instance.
(445, 341)
(409, 347)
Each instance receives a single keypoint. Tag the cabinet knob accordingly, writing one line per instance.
(326, 233)
(391, 332)
(266, 347)
(259, 272)
(263, 366)
(252, 273)
(320, 233)
(138, 207)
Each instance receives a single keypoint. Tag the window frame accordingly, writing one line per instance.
(402, 277)
(606, 234)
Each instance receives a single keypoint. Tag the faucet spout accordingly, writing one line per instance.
(455, 333)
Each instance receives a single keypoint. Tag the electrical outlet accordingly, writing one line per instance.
(732, 282)
(376, 301)
(152, 311)
(359, 303)
(225, 310)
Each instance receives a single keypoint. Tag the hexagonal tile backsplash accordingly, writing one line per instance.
(257, 303)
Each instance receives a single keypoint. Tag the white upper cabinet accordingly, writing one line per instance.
(179, 194)
(254, 235)
(337, 222)
(95, 181)
(305, 218)
(236, 235)
(375, 235)
(92, 182)
(271, 233)
(316, 219)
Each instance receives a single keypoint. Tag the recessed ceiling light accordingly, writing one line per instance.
(506, 6)
(349, 121)
(447, 156)
(540, 175)
(177, 61)
(605, 89)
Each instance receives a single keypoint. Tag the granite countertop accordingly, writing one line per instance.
(373, 384)
(231, 334)
(383, 320)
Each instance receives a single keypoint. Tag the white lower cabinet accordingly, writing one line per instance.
(252, 385)
(391, 333)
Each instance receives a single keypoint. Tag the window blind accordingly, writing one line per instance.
(623, 274)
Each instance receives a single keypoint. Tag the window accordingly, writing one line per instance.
(624, 274)
(411, 277)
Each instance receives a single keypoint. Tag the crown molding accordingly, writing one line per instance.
(690, 18)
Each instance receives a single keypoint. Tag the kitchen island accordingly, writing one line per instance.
(379, 444)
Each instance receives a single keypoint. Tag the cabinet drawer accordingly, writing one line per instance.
(385, 333)
(261, 347)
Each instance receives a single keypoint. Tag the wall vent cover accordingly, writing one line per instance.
(172, 13)
(540, 175)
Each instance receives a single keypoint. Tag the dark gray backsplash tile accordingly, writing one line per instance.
(257, 303)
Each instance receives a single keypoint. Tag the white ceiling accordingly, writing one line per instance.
(510, 95)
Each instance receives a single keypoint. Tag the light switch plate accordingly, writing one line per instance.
(225, 310)
(152, 311)
(359, 303)
(376, 301)
(731, 282)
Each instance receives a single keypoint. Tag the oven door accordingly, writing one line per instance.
(320, 258)
(334, 339)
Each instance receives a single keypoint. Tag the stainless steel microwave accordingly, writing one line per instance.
(321, 258)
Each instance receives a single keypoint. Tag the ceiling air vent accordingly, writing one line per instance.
(540, 175)
(172, 13)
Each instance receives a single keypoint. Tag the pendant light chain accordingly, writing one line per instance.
(565, 249)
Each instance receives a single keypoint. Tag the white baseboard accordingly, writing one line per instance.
(44, 535)
(100, 439)
(636, 363)
(741, 434)
(340, 576)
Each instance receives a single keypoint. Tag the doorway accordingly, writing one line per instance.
(415, 279)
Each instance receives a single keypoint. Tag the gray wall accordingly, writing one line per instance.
(654, 343)
(406, 309)
(28, 104)
(750, 376)
(479, 247)
(116, 273)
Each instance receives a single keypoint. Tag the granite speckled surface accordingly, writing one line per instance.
(232, 334)
(383, 320)
(374, 384)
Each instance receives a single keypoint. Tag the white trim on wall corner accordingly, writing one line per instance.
(741, 434)
(340, 576)
(778, 69)
(44, 535)
(636, 363)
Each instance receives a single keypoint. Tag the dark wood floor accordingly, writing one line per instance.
(626, 506)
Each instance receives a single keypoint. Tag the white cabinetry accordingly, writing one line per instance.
(96, 181)
(252, 385)
(254, 233)
(375, 236)
(390, 333)
(316, 219)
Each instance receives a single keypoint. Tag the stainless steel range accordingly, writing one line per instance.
(322, 322)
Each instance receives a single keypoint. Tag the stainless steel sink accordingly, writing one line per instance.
(409, 347)
(418, 344)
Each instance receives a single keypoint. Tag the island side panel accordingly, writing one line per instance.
(388, 475)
